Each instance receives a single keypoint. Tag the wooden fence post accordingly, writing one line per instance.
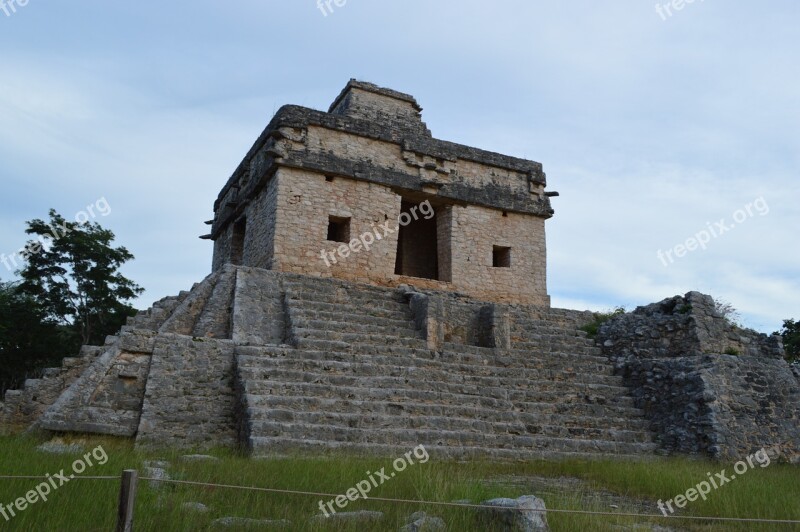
(127, 499)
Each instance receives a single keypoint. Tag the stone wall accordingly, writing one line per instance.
(168, 378)
(189, 400)
(475, 232)
(259, 314)
(261, 216)
(360, 161)
(445, 318)
(681, 326)
(306, 201)
(387, 106)
(107, 397)
(302, 203)
(707, 385)
(21, 408)
(675, 397)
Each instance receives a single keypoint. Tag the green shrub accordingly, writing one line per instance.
(593, 327)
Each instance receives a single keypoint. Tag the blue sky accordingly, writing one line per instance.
(650, 127)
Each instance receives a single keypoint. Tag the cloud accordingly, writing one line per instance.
(650, 129)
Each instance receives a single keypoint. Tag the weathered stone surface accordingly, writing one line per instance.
(196, 507)
(699, 399)
(280, 349)
(199, 458)
(682, 326)
(525, 514)
(259, 313)
(57, 446)
(254, 524)
(21, 408)
(361, 516)
(422, 522)
(189, 399)
(156, 470)
(358, 375)
(360, 162)
(107, 397)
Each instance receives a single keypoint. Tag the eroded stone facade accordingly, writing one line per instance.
(362, 164)
(440, 334)
(707, 385)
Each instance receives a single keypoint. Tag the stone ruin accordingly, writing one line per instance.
(440, 332)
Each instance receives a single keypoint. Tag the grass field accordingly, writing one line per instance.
(90, 505)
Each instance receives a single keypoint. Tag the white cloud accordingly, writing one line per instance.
(648, 128)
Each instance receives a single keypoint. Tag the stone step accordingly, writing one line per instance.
(347, 305)
(514, 358)
(214, 321)
(557, 347)
(404, 329)
(526, 400)
(395, 311)
(555, 344)
(426, 379)
(365, 318)
(186, 315)
(306, 337)
(543, 328)
(49, 373)
(414, 437)
(553, 315)
(277, 446)
(268, 403)
(328, 288)
(528, 350)
(553, 338)
(365, 307)
(263, 420)
(384, 365)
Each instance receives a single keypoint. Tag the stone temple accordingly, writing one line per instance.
(374, 288)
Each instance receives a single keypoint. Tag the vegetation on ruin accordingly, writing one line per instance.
(791, 339)
(71, 293)
(593, 327)
(89, 505)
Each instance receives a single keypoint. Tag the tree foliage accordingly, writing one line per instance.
(791, 339)
(72, 272)
(29, 340)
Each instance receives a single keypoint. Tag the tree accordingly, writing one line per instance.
(72, 273)
(28, 340)
(791, 339)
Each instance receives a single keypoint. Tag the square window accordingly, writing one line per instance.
(339, 229)
(501, 257)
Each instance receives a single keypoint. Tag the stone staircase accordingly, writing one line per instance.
(296, 363)
(23, 407)
(358, 375)
(20, 408)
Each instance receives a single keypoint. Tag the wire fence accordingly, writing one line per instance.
(130, 479)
